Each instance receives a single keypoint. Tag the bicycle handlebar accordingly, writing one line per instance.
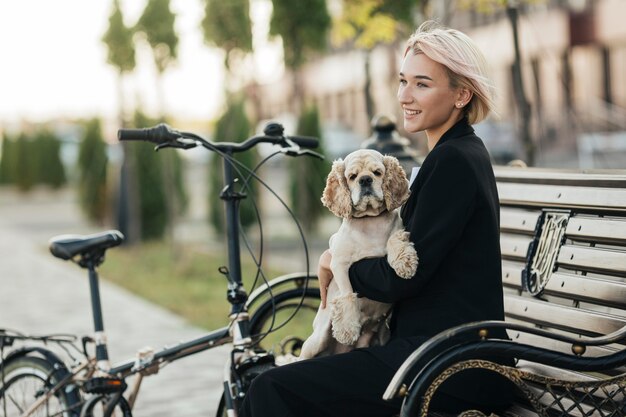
(164, 136)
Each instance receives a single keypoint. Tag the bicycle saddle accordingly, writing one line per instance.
(68, 246)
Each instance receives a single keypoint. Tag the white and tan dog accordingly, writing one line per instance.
(366, 190)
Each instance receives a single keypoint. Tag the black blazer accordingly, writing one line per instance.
(452, 215)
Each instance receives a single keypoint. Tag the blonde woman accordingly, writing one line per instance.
(453, 218)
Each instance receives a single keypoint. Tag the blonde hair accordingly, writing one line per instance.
(464, 62)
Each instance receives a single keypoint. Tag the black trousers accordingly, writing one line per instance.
(349, 384)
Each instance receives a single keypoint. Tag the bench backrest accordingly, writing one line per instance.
(563, 241)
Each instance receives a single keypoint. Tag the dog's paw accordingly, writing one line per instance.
(401, 254)
(345, 319)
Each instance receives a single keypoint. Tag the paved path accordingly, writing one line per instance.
(41, 294)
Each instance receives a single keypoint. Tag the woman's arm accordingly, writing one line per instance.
(446, 199)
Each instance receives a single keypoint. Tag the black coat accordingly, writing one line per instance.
(452, 215)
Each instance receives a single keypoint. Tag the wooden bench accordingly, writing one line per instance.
(563, 241)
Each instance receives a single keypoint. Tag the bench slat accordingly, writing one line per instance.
(586, 198)
(596, 178)
(520, 221)
(602, 261)
(575, 320)
(612, 232)
(593, 290)
(512, 274)
(514, 246)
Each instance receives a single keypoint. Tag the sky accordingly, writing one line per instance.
(53, 63)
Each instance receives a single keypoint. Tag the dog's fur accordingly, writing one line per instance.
(366, 190)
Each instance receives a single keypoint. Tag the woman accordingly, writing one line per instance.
(453, 218)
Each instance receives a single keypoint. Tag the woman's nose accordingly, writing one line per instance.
(403, 96)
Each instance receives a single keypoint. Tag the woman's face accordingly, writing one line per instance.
(425, 95)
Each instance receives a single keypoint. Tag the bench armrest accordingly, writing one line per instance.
(454, 342)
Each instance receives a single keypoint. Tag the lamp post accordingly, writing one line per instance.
(386, 140)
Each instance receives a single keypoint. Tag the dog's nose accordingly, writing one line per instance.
(365, 180)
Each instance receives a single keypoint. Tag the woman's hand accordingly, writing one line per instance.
(324, 275)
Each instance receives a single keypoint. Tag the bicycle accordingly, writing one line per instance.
(34, 380)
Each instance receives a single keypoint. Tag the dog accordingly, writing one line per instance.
(366, 190)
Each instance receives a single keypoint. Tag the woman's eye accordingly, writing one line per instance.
(402, 81)
(378, 173)
(421, 85)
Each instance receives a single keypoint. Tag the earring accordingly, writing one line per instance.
(459, 105)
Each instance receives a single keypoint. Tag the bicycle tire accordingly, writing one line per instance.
(24, 379)
(261, 317)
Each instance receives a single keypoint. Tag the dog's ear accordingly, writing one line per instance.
(336, 195)
(395, 183)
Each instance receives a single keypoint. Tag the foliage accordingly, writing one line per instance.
(232, 126)
(157, 23)
(7, 160)
(151, 193)
(119, 41)
(308, 175)
(46, 152)
(24, 174)
(227, 25)
(369, 22)
(492, 6)
(302, 27)
(92, 172)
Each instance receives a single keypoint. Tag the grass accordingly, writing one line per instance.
(186, 283)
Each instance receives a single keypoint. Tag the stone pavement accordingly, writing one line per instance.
(41, 294)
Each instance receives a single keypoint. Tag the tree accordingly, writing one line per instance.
(303, 30)
(92, 172)
(121, 54)
(157, 24)
(523, 106)
(367, 23)
(232, 126)
(151, 191)
(227, 25)
(306, 202)
(24, 167)
(49, 169)
(7, 160)
(120, 51)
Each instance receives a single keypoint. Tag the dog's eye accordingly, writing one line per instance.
(378, 173)
(352, 177)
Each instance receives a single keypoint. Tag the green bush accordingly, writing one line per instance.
(24, 169)
(92, 172)
(48, 167)
(148, 165)
(308, 175)
(232, 126)
(7, 160)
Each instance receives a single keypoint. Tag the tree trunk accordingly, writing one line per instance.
(518, 88)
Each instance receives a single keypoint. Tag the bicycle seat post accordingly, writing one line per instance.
(236, 292)
(102, 355)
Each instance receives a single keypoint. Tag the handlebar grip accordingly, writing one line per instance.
(132, 134)
(309, 142)
(158, 134)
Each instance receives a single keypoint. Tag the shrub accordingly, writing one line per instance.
(92, 172)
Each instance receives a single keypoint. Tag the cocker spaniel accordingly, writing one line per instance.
(366, 190)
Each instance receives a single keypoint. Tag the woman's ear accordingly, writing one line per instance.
(336, 195)
(464, 96)
(395, 183)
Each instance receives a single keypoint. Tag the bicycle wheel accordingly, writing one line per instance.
(286, 321)
(26, 379)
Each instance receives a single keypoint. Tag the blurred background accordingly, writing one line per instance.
(74, 72)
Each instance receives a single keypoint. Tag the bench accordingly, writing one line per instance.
(563, 242)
